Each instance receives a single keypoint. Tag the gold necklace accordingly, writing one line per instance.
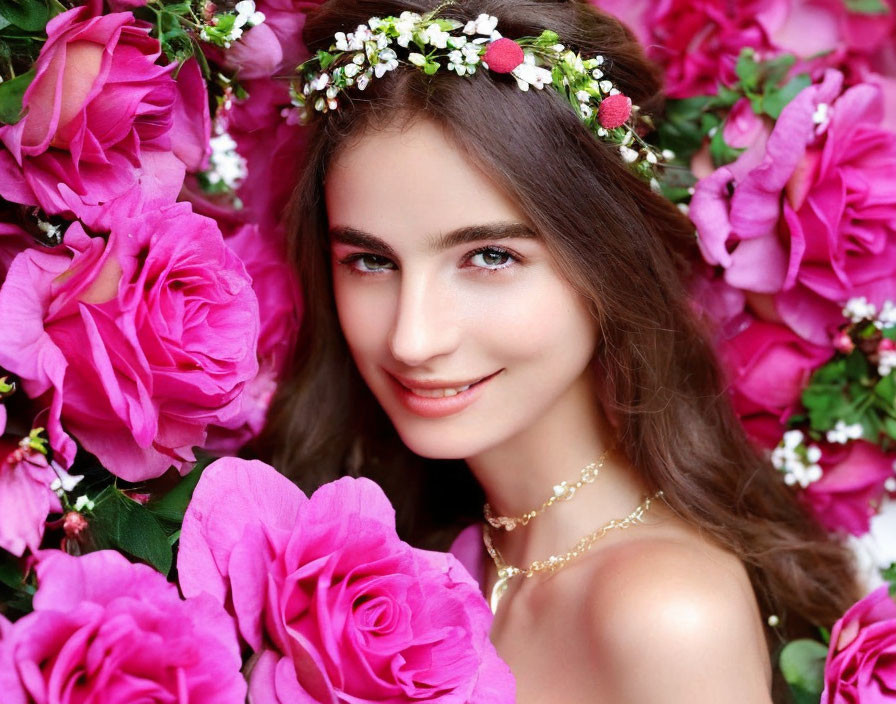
(563, 490)
(555, 562)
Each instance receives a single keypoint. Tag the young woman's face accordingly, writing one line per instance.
(453, 311)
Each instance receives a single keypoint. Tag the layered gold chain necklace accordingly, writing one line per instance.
(563, 491)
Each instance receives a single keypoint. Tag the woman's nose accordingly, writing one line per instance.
(424, 324)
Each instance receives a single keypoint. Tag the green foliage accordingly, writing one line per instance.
(121, 523)
(27, 15)
(172, 506)
(889, 574)
(16, 590)
(11, 93)
(867, 7)
(681, 130)
(802, 664)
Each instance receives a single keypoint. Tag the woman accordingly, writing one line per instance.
(497, 304)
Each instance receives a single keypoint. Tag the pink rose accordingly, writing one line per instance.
(275, 46)
(279, 305)
(105, 630)
(861, 662)
(100, 119)
(140, 342)
(851, 488)
(336, 607)
(812, 220)
(768, 366)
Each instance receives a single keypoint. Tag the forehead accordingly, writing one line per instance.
(411, 180)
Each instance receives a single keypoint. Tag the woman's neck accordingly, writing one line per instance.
(519, 475)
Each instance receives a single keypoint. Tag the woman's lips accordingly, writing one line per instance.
(430, 400)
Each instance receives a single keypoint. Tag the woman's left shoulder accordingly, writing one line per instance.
(674, 618)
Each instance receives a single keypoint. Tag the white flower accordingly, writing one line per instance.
(528, 74)
(320, 104)
(597, 74)
(226, 165)
(583, 95)
(651, 157)
(484, 24)
(793, 439)
(668, 154)
(457, 42)
(83, 502)
(606, 86)
(599, 60)
(64, 482)
(585, 110)
(416, 58)
(387, 61)
(456, 62)
(859, 309)
(352, 70)
(320, 82)
(821, 113)
(886, 362)
(358, 58)
(435, 36)
(471, 54)
(374, 23)
(629, 155)
(405, 25)
(364, 79)
(798, 467)
(843, 433)
(341, 41)
(876, 550)
(887, 316)
(247, 14)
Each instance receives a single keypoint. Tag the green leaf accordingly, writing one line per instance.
(867, 7)
(430, 67)
(775, 70)
(4, 23)
(885, 390)
(888, 426)
(10, 571)
(325, 58)
(720, 151)
(11, 93)
(802, 664)
(776, 100)
(30, 15)
(857, 366)
(172, 506)
(130, 527)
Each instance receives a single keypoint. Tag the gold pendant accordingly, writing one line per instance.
(499, 589)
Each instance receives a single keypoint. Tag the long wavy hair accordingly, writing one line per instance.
(625, 249)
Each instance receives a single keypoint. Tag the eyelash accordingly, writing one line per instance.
(352, 259)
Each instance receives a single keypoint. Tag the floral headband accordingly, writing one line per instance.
(371, 51)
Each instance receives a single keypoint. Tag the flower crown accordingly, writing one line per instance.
(355, 58)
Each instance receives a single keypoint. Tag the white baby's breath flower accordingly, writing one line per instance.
(387, 61)
(585, 110)
(364, 79)
(887, 316)
(858, 309)
(606, 86)
(405, 25)
(246, 14)
(886, 362)
(417, 58)
(583, 95)
(225, 164)
(597, 74)
(483, 24)
(842, 433)
(64, 482)
(435, 36)
(629, 155)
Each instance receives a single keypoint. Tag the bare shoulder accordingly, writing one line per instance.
(675, 619)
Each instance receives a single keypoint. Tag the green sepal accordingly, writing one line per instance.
(776, 100)
(11, 94)
(867, 7)
(720, 150)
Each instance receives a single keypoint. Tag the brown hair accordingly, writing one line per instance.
(626, 250)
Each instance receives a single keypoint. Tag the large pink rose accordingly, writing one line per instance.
(140, 341)
(861, 662)
(337, 608)
(100, 118)
(851, 488)
(276, 285)
(105, 630)
(812, 216)
(768, 366)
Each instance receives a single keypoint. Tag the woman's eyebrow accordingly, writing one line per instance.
(462, 235)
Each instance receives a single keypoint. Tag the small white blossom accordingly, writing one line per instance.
(583, 95)
(387, 61)
(684, 208)
(246, 14)
(528, 74)
(226, 165)
(435, 36)
(886, 362)
(629, 155)
(484, 25)
(843, 433)
(887, 316)
(416, 58)
(405, 27)
(599, 60)
(876, 550)
(821, 114)
(64, 482)
(798, 462)
(655, 186)
(602, 132)
(668, 154)
(83, 502)
(597, 74)
(585, 110)
(320, 82)
(651, 157)
(352, 70)
(457, 42)
(859, 309)
(606, 86)
(374, 23)
(364, 79)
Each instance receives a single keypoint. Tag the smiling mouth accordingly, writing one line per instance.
(443, 392)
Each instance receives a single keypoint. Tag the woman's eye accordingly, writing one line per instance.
(368, 263)
(491, 258)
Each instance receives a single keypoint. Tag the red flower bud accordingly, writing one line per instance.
(843, 342)
(503, 55)
(614, 110)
